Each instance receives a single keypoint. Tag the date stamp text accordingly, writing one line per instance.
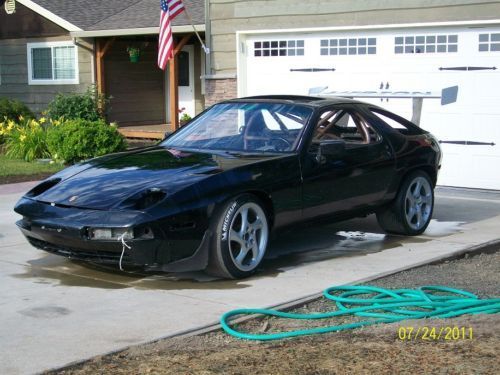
(445, 333)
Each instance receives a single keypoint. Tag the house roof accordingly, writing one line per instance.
(113, 15)
(146, 13)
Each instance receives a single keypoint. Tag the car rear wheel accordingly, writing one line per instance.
(241, 234)
(410, 213)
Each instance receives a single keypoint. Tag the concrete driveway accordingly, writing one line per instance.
(54, 311)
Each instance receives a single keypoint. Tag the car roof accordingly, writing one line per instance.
(312, 101)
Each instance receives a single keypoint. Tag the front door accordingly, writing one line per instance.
(356, 176)
(186, 80)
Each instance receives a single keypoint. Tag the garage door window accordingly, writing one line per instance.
(267, 48)
(348, 46)
(426, 44)
(489, 42)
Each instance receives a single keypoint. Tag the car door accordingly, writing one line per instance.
(356, 175)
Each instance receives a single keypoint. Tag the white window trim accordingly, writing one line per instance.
(31, 81)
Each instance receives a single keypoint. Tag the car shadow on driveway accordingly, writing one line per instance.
(289, 249)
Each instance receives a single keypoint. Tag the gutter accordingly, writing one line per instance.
(469, 24)
(134, 31)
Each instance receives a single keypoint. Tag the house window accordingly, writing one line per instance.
(426, 44)
(348, 46)
(183, 73)
(53, 63)
(489, 42)
(278, 48)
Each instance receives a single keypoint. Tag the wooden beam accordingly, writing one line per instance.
(181, 44)
(102, 47)
(108, 45)
(173, 83)
(174, 92)
(99, 63)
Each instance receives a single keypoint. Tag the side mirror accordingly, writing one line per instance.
(331, 149)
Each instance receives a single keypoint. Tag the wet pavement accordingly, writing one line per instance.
(55, 311)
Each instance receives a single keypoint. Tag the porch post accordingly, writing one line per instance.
(102, 48)
(174, 92)
(99, 67)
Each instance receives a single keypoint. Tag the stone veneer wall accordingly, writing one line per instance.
(217, 90)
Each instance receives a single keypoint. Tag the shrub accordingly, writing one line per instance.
(26, 140)
(11, 110)
(87, 106)
(74, 140)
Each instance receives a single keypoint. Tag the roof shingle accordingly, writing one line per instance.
(119, 14)
(146, 13)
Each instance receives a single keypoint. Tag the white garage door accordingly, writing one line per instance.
(420, 60)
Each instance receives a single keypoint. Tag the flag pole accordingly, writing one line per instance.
(205, 48)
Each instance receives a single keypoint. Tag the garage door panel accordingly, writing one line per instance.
(480, 172)
(474, 117)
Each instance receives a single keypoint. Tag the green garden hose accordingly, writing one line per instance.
(381, 306)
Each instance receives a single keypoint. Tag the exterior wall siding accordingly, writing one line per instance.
(25, 23)
(137, 90)
(14, 73)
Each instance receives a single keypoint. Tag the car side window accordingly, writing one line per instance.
(349, 126)
(395, 122)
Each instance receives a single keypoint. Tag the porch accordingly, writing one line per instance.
(146, 102)
(146, 131)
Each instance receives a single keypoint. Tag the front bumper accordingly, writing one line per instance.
(63, 231)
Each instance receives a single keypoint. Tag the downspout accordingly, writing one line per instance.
(208, 39)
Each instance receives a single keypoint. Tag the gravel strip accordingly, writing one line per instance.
(375, 349)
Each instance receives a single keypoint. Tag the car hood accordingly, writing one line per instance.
(104, 183)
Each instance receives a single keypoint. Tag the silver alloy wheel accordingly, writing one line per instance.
(418, 203)
(248, 236)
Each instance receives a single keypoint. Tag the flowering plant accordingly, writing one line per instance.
(184, 116)
(25, 139)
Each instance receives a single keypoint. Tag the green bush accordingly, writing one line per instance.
(87, 106)
(27, 140)
(12, 109)
(74, 140)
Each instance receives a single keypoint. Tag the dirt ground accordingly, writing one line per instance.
(375, 349)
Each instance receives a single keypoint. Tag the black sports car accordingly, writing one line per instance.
(208, 196)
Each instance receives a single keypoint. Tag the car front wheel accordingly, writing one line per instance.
(410, 213)
(241, 234)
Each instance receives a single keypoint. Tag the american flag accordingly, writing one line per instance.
(169, 10)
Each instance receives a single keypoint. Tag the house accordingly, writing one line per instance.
(448, 49)
(372, 47)
(57, 46)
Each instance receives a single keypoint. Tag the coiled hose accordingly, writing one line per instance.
(379, 305)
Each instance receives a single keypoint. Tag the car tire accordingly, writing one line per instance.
(411, 211)
(241, 234)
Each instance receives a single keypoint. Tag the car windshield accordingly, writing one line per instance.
(244, 127)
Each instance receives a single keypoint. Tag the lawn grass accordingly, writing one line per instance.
(16, 170)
